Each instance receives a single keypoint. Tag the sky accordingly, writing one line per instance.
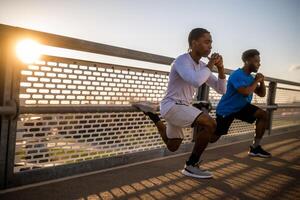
(162, 27)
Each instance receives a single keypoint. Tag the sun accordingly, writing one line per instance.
(28, 51)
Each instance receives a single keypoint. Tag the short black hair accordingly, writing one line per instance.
(250, 53)
(195, 34)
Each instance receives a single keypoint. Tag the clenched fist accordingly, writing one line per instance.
(217, 60)
(259, 77)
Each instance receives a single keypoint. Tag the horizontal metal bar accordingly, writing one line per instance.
(282, 81)
(270, 107)
(290, 89)
(8, 110)
(84, 45)
(90, 109)
(75, 109)
(288, 106)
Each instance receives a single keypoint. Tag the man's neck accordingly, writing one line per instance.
(195, 57)
(246, 69)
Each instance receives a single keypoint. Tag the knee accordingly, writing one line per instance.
(209, 128)
(262, 115)
(174, 144)
(173, 148)
(207, 123)
(211, 125)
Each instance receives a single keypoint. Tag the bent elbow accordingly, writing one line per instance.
(244, 92)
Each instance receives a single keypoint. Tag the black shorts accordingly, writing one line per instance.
(246, 114)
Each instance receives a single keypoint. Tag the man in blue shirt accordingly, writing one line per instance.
(236, 103)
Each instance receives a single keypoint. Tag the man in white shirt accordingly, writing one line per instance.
(187, 74)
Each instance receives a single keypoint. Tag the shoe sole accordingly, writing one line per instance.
(195, 175)
(259, 155)
(144, 108)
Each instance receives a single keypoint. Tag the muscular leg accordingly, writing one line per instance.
(172, 143)
(161, 127)
(205, 127)
(150, 109)
(213, 137)
(223, 125)
(261, 125)
(207, 107)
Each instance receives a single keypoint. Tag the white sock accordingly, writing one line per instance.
(256, 142)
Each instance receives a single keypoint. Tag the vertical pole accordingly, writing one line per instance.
(202, 95)
(271, 101)
(5, 93)
(2, 122)
(10, 67)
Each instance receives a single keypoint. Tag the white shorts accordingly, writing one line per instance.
(178, 117)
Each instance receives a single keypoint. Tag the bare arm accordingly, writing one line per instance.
(248, 90)
(253, 87)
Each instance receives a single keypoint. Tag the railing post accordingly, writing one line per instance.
(271, 101)
(202, 95)
(5, 88)
(9, 92)
(3, 135)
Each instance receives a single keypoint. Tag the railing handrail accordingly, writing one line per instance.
(104, 49)
(11, 110)
(84, 45)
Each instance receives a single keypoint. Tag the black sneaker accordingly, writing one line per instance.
(258, 151)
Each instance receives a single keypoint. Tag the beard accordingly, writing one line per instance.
(253, 68)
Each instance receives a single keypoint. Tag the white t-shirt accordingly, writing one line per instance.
(185, 77)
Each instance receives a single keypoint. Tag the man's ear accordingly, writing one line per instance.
(193, 43)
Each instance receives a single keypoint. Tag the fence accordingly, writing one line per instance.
(63, 116)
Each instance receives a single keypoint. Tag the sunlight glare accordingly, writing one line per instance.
(28, 51)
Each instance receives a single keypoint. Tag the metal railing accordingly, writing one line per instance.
(62, 116)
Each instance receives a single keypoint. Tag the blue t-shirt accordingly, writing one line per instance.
(232, 101)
